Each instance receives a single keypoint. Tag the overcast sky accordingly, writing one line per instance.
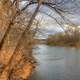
(49, 25)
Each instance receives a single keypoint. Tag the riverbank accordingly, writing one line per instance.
(63, 39)
(77, 45)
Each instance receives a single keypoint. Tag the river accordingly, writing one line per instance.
(56, 63)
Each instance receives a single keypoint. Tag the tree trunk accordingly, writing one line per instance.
(15, 61)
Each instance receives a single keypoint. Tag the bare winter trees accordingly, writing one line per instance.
(16, 36)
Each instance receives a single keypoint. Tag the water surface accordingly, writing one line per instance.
(56, 63)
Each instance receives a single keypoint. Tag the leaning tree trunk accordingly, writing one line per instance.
(15, 61)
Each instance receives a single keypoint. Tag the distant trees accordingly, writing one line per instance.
(72, 37)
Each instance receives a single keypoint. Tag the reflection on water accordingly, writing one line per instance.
(56, 63)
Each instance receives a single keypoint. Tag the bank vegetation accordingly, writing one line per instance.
(70, 37)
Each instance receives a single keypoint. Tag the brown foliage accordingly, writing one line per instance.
(15, 61)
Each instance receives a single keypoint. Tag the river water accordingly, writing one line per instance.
(56, 63)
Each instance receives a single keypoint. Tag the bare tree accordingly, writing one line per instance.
(15, 33)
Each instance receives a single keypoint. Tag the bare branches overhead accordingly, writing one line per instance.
(61, 6)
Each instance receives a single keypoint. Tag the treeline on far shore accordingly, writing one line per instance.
(67, 38)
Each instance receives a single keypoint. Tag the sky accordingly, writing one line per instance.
(49, 25)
